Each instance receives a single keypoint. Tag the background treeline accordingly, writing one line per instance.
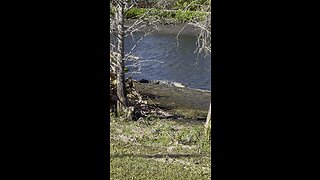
(170, 11)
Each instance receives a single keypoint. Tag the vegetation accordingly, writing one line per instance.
(193, 5)
(177, 11)
(166, 16)
(151, 148)
(158, 149)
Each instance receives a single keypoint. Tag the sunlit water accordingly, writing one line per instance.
(163, 59)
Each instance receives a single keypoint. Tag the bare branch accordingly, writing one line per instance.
(177, 37)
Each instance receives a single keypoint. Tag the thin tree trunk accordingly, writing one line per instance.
(208, 123)
(121, 91)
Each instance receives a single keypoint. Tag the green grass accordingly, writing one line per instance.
(190, 113)
(158, 149)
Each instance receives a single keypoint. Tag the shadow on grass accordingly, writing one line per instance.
(153, 96)
(155, 155)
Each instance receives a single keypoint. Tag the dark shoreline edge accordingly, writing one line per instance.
(184, 101)
(170, 83)
(171, 28)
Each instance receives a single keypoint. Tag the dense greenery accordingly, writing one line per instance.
(166, 15)
(169, 11)
(193, 5)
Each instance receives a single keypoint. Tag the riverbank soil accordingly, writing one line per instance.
(188, 104)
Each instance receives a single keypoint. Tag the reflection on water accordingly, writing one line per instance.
(162, 59)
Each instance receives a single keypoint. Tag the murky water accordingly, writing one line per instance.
(161, 58)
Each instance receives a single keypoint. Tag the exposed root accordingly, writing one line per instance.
(137, 106)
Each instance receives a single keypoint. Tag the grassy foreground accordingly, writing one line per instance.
(158, 149)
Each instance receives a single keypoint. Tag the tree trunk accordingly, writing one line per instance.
(208, 123)
(121, 91)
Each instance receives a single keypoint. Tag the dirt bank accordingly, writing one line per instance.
(185, 102)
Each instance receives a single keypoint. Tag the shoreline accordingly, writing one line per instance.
(170, 83)
(192, 104)
(170, 28)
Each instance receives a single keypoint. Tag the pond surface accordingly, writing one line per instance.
(161, 58)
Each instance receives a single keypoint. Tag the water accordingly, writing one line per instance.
(162, 59)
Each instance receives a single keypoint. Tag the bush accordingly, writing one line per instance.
(135, 12)
(174, 15)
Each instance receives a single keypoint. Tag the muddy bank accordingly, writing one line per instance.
(182, 101)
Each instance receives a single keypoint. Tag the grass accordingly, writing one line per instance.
(158, 149)
(190, 113)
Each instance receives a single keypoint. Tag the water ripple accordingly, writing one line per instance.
(162, 59)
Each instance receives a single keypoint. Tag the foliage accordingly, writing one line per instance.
(135, 12)
(192, 5)
(167, 15)
(169, 10)
(186, 16)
